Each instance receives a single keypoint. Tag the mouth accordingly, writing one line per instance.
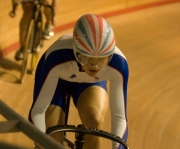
(93, 72)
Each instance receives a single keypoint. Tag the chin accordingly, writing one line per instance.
(93, 74)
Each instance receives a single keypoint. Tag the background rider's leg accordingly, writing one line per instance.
(27, 13)
(92, 106)
(49, 24)
(23, 27)
(48, 12)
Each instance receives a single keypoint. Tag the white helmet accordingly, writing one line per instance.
(93, 37)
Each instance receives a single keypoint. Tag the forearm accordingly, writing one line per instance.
(118, 110)
(12, 2)
(38, 119)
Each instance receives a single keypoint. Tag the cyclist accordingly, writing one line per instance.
(27, 8)
(80, 64)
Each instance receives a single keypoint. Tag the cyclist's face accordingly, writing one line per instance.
(92, 66)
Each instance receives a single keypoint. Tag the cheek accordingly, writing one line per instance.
(105, 61)
(85, 67)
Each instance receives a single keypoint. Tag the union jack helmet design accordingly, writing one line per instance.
(93, 37)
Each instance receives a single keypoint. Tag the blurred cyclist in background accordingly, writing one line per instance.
(27, 8)
(80, 64)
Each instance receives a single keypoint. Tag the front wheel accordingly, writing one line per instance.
(38, 42)
(82, 130)
(27, 46)
(34, 59)
(24, 66)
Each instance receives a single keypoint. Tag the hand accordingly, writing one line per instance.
(12, 14)
(37, 147)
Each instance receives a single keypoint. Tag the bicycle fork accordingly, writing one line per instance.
(79, 140)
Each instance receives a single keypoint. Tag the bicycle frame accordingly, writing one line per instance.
(80, 131)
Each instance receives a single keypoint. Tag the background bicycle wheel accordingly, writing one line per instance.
(147, 32)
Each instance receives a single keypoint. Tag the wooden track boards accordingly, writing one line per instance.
(150, 40)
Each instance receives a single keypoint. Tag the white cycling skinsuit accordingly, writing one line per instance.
(59, 64)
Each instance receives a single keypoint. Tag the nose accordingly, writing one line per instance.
(93, 61)
(94, 67)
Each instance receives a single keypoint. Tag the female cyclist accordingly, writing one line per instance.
(80, 64)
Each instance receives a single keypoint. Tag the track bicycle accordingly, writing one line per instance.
(80, 131)
(33, 40)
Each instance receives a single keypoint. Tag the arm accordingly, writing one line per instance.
(13, 1)
(42, 102)
(118, 104)
(47, 76)
(12, 13)
(118, 97)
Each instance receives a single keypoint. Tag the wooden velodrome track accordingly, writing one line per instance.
(150, 39)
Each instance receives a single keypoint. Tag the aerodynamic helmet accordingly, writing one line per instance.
(93, 37)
